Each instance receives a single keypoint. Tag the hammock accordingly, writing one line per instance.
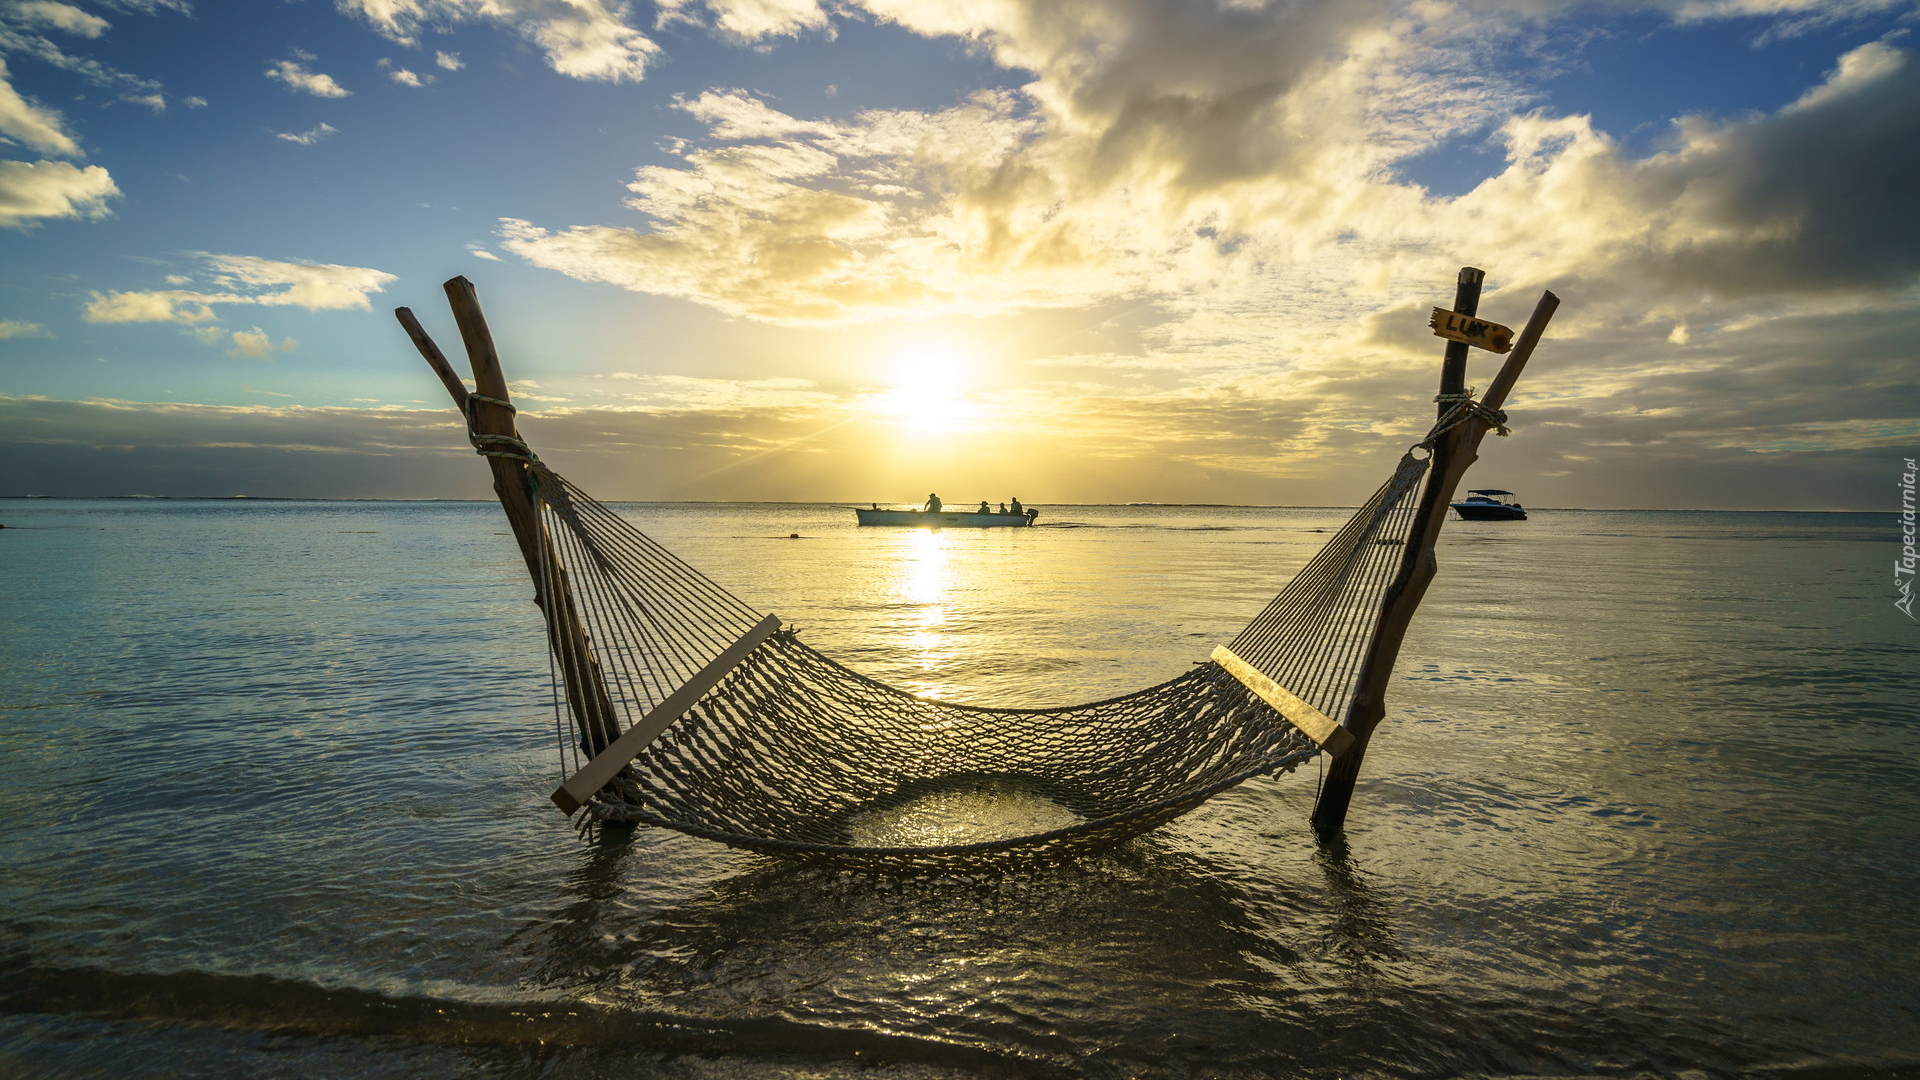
(679, 705)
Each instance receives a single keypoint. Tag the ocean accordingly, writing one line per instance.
(1646, 802)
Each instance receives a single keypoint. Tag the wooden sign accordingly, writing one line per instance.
(1454, 326)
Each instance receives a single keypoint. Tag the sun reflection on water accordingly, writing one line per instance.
(925, 582)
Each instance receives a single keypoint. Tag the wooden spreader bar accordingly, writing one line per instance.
(1317, 725)
(607, 764)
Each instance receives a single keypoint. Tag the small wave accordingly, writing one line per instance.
(282, 1006)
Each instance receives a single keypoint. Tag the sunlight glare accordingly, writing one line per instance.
(929, 381)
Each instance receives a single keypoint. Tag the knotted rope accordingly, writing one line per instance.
(497, 446)
(1462, 408)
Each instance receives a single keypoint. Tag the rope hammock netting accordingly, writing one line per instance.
(679, 705)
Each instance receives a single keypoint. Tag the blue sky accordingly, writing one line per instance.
(1153, 250)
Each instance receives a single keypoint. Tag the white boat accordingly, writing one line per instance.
(945, 519)
(1490, 504)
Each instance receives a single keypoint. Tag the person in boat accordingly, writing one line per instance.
(1003, 508)
(1016, 507)
(933, 503)
(984, 508)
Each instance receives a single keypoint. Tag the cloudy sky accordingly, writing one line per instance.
(1075, 250)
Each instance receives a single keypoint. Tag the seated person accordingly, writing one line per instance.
(933, 503)
(983, 507)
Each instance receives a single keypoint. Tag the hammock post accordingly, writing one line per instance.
(1456, 449)
(1453, 366)
(486, 415)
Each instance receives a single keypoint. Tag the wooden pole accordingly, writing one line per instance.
(435, 359)
(1453, 366)
(585, 682)
(488, 418)
(1456, 449)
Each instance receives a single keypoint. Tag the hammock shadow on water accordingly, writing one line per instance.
(1144, 956)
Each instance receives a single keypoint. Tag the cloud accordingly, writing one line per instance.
(13, 328)
(296, 76)
(401, 75)
(314, 286)
(1232, 174)
(779, 439)
(255, 344)
(448, 61)
(582, 39)
(308, 137)
(1162, 146)
(32, 191)
(683, 392)
(1823, 195)
(109, 448)
(172, 305)
(1781, 18)
(39, 128)
(151, 7)
(60, 16)
(1202, 155)
(769, 230)
(244, 279)
(751, 20)
(527, 390)
(194, 102)
(16, 37)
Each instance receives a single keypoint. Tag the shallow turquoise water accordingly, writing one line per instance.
(275, 782)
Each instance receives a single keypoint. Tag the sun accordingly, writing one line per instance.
(928, 384)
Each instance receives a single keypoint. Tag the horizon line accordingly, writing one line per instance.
(849, 504)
